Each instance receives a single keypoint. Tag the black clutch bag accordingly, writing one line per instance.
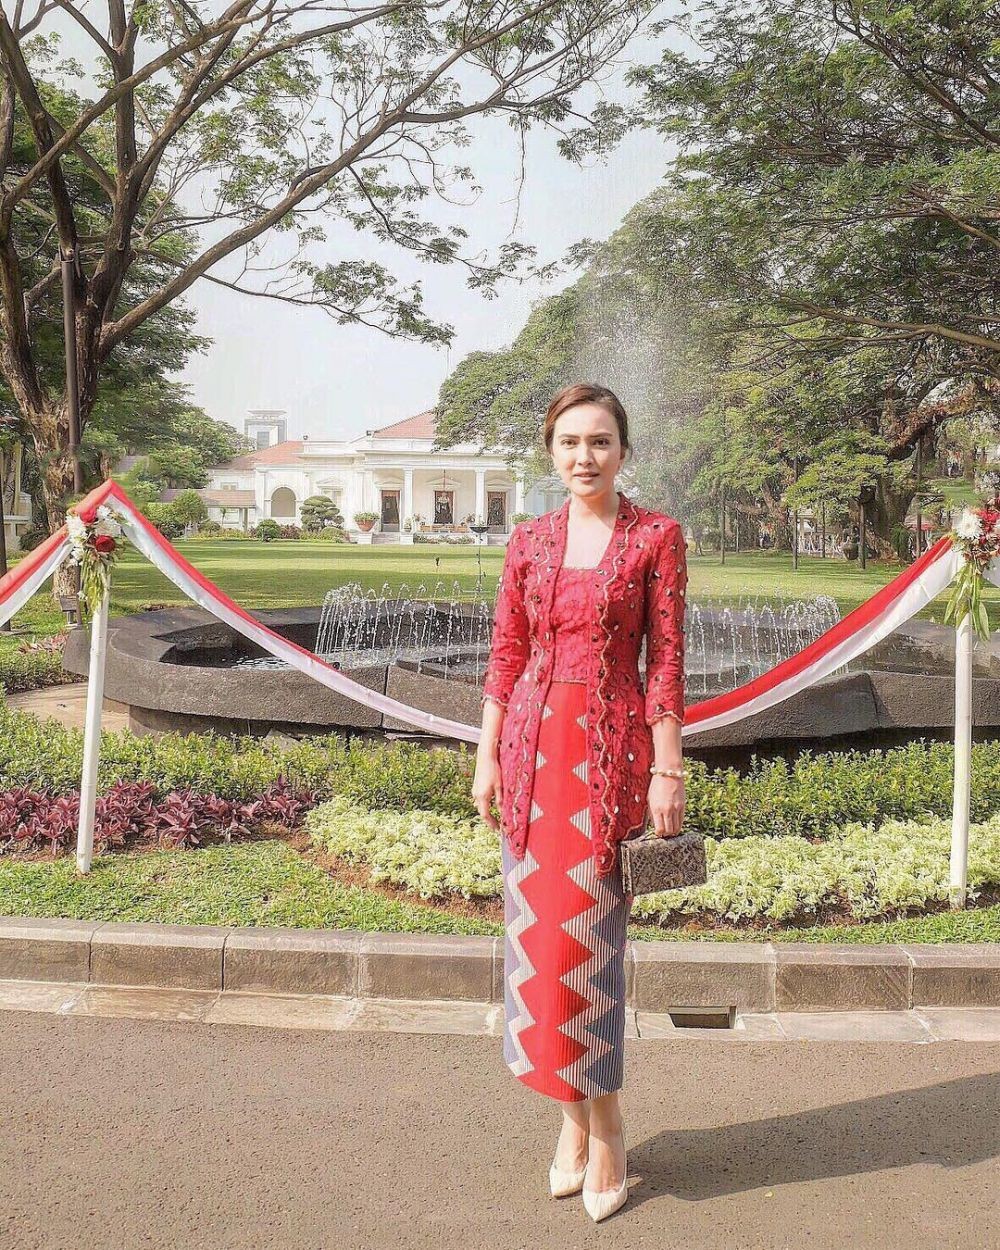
(650, 863)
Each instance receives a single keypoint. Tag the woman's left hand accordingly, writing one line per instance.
(666, 805)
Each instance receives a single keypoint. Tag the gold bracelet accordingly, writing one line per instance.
(666, 772)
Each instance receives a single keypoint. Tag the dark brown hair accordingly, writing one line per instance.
(585, 393)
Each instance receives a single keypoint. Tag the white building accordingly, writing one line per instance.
(391, 471)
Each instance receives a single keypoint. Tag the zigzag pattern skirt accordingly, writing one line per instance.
(564, 947)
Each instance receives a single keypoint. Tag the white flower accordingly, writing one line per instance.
(970, 525)
(75, 527)
(103, 511)
(108, 526)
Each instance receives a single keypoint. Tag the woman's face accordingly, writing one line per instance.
(586, 449)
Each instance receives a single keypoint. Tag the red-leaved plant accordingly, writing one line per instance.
(132, 811)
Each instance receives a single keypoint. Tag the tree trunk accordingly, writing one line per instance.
(887, 510)
(52, 447)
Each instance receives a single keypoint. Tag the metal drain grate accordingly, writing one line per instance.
(703, 1017)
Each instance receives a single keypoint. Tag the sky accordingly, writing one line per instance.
(337, 381)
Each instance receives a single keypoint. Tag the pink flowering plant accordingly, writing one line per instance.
(95, 547)
(977, 535)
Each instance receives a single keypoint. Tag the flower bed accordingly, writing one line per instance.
(433, 855)
(863, 872)
(133, 811)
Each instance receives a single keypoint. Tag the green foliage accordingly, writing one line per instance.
(865, 202)
(433, 855)
(267, 530)
(165, 519)
(403, 776)
(819, 794)
(42, 753)
(319, 512)
(31, 670)
(189, 508)
(865, 872)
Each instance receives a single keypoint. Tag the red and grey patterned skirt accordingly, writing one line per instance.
(565, 928)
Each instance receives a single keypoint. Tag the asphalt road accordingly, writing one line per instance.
(128, 1134)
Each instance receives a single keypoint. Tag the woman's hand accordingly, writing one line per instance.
(487, 785)
(666, 805)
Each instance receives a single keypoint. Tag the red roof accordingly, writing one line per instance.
(280, 453)
(423, 425)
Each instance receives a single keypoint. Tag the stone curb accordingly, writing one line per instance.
(660, 976)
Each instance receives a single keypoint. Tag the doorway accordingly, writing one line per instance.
(444, 507)
(496, 511)
(390, 511)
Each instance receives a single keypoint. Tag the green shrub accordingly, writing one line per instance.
(819, 794)
(865, 873)
(403, 776)
(42, 753)
(31, 670)
(267, 530)
(432, 854)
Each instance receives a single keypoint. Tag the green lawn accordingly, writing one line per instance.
(297, 573)
(267, 883)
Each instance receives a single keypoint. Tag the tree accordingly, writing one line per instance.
(317, 511)
(189, 508)
(292, 115)
(846, 158)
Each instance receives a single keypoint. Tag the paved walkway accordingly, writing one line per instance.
(67, 704)
(123, 1133)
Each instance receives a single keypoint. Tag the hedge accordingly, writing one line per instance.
(44, 755)
(32, 669)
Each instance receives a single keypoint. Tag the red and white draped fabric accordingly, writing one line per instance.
(29, 575)
(856, 633)
(874, 620)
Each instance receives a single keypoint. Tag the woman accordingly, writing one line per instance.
(574, 753)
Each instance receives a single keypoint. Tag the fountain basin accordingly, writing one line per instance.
(176, 669)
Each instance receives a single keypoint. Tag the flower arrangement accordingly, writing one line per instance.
(977, 535)
(95, 548)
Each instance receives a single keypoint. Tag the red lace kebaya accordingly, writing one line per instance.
(637, 593)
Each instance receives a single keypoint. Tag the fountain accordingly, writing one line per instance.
(178, 668)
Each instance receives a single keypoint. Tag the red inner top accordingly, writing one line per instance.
(570, 622)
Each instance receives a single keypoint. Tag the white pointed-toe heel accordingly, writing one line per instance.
(563, 1182)
(601, 1203)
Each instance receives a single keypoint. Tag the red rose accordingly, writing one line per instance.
(104, 543)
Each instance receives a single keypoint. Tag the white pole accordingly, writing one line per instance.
(963, 764)
(92, 735)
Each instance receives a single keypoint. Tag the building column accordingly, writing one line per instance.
(518, 494)
(368, 491)
(406, 508)
(481, 493)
